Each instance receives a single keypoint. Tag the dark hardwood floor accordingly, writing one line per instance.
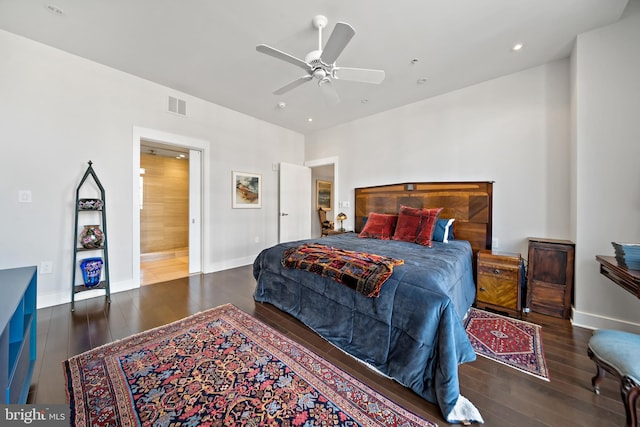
(504, 396)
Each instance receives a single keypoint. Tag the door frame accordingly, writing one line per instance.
(153, 135)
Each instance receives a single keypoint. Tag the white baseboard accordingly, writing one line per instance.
(594, 321)
(49, 300)
(229, 264)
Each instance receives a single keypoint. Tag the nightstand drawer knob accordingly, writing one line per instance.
(483, 289)
(496, 271)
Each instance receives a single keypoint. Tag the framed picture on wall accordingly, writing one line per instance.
(323, 194)
(247, 190)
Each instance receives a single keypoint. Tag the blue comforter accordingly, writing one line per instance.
(412, 332)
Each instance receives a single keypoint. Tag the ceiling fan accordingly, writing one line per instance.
(320, 64)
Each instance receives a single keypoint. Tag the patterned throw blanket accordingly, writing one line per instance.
(359, 271)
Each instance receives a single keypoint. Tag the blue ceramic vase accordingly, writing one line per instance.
(91, 271)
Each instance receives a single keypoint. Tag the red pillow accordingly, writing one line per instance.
(408, 224)
(379, 226)
(427, 226)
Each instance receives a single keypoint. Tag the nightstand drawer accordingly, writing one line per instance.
(498, 292)
(498, 271)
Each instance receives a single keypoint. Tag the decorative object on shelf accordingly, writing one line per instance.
(341, 217)
(91, 237)
(323, 194)
(91, 271)
(90, 204)
(627, 254)
(247, 190)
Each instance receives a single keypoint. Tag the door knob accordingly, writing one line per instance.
(284, 214)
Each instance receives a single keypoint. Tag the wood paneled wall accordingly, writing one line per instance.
(164, 218)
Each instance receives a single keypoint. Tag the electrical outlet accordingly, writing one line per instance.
(495, 243)
(46, 267)
(257, 239)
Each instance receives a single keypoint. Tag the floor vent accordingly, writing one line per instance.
(177, 106)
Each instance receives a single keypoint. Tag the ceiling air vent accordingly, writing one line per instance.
(177, 106)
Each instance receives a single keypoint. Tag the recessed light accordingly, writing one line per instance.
(309, 119)
(414, 61)
(364, 100)
(55, 9)
(282, 105)
(518, 46)
(422, 81)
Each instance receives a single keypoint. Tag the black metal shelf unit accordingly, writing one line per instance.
(101, 209)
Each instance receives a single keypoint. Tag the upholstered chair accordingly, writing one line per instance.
(618, 353)
(326, 226)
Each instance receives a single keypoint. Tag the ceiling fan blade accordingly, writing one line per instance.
(292, 85)
(362, 75)
(338, 40)
(329, 92)
(263, 48)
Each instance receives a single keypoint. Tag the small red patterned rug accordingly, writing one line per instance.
(512, 342)
(220, 367)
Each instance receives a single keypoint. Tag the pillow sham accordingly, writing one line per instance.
(444, 230)
(408, 224)
(427, 226)
(379, 226)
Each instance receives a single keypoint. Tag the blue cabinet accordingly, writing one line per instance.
(18, 291)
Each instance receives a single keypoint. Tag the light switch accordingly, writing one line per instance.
(24, 196)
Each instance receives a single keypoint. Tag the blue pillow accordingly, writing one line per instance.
(444, 230)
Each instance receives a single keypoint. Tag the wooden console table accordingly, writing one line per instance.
(625, 278)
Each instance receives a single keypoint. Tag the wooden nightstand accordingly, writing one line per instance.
(550, 276)
(499, 282)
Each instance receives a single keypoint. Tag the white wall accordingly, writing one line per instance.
(513, 130)
(58, 111)
(606, 98)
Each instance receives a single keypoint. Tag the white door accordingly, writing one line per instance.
(195, 211)
(295, 202)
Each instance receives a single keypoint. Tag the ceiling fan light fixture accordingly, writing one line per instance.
(517, 47)
(320, 74)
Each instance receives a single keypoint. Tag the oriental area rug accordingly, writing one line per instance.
(509, 341)
(220, 367)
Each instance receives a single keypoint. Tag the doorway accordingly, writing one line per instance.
(198, 212)
(164, 212)
(325, 169)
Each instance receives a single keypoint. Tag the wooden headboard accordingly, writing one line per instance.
(470, 203)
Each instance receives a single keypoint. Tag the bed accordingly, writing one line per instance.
(412, 331)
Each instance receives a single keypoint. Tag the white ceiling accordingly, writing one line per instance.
(206, 48)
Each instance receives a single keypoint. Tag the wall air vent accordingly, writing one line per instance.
(177, 106)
